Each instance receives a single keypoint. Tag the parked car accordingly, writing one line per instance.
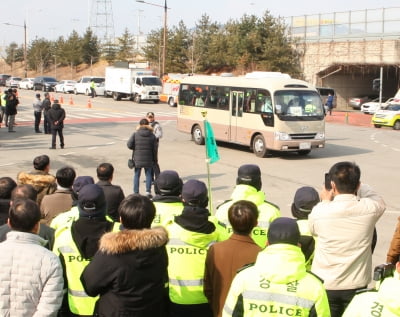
(373, 105)
(356, 102)
(26, 83)
(389, 117)
(12, 82)
(3, 78)
(44, 83)
(65, 86)
(99, 90)
(83, 84)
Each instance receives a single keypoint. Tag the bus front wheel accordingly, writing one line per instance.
(197, 135)
(259, 147)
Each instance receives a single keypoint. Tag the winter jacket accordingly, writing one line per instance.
(267, 211)
(11, 105)
(384, 302)
(144, 146)
(223, 261)
(46, 104)
(56, 203)
(31, 277)
(43, 182)
(344, 229)
(56, 116)
(394, 249)
(37, 105)
(114, 195)
(129, 272)
(278, 284)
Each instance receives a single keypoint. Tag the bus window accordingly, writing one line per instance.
(264, 101)
(295, 104)
(212, 99)
(250, 100)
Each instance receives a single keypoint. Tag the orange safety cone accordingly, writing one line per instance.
(89, 103)
(71, 101)
(51, 98)
(61, 99)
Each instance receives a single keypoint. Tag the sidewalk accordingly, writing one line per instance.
(350, 117)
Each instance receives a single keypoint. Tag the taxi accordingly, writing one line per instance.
(388, 117)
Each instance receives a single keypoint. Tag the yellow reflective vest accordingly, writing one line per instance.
(166, 212)
(187, 252)
(277, 285)
(267, 211)
(79, 302)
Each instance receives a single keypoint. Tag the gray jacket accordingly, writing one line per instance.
(31, 277)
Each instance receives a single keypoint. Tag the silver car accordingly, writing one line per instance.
(374, 105)
(26, 83)
(65, 86)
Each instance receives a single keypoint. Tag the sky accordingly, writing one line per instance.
(52, 18)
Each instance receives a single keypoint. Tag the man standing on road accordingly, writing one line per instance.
(157, 130)
(37, 112)
(56, 116)
(46, 105)
(343, 225)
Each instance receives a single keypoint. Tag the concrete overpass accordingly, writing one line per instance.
(345, 50)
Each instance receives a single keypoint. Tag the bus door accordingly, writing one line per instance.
(236, 110)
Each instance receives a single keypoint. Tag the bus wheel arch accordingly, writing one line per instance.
(197, 135)
(259, 146)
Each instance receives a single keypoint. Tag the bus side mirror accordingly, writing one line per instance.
(278, 109)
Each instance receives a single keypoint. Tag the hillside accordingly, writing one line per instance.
(60, 73)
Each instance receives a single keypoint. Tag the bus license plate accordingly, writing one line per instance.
(305, 146)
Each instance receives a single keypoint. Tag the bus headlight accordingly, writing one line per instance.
(320, 136)
(282, 136)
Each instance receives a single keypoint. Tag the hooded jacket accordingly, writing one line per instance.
(144, 146)
(267, 211)
(129, 272)
(384, 302)
(278, 281)
(43, 182)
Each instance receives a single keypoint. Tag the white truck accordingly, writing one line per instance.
(82, 86)
(137, 84)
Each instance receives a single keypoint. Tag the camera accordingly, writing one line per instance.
(383, 271)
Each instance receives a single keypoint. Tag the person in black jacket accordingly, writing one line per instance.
(144, 145)
(46, 105)
(56, 116)
(129, 271)
(114, 193)
(11, 109)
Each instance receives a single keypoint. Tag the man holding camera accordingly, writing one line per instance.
(381, 302)
(343, 223)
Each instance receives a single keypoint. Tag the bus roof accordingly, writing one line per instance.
(275, 83)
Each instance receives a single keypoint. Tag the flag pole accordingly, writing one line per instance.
(210, 208)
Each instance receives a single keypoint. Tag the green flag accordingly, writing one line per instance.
(211, 145)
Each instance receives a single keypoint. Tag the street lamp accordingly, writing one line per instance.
(25, 48)
(164, 52)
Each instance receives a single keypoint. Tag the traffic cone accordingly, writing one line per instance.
(89, 103)
(71, 102)
(61, 99)
(51, 98)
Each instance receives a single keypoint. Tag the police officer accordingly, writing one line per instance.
(248, 187)
(168, 202)
(278, 283)
(378, 303)
(76, 243)
(190, 235)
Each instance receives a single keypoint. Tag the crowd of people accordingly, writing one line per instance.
(53, 114)
(73, 246)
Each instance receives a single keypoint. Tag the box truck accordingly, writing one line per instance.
(137, 84)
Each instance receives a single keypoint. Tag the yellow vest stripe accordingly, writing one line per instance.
(279, 298)
(186, 282)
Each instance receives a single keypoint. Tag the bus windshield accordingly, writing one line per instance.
(293, 105)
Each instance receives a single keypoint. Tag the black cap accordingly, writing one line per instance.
(37, 95)
(81, 181)
(283, 230)
(56, 101)
(92, 201)
(168, 183)
(194, 193)
(249, 174)
(304, 200)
